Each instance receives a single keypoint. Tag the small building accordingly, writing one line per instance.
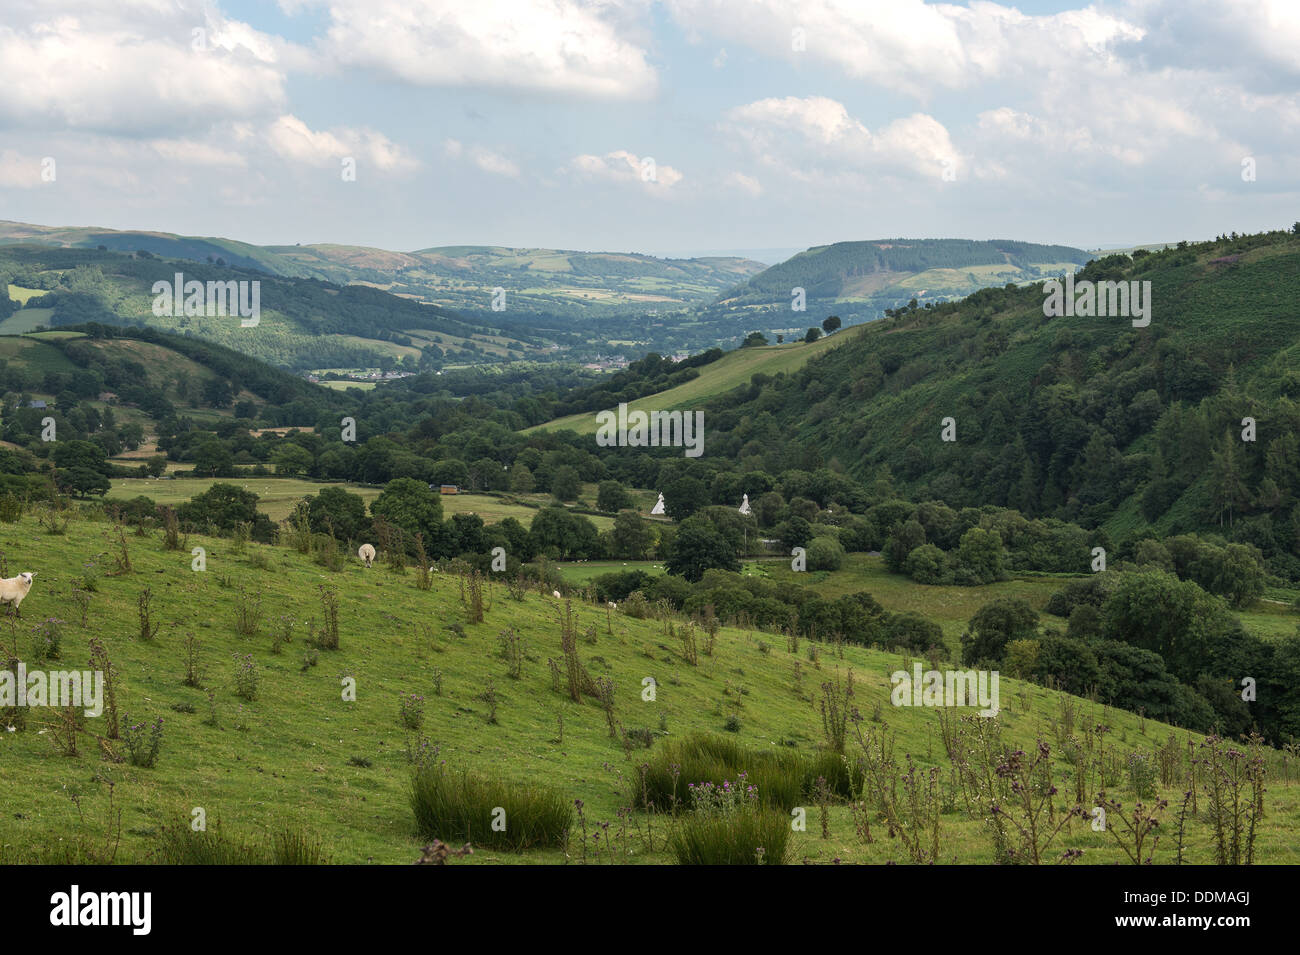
(36, 403)
(109, 396)
(448, 489)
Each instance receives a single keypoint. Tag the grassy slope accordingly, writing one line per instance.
(732, 369)
(290, 764)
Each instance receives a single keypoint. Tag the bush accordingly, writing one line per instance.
(825, 553)
(460, 807)
(995, 625)
(927, 564)
(911, 631)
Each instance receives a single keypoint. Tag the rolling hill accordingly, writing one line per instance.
(859, 280)
(305, 323)
(540, 283)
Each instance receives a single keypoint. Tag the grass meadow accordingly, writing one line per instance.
(272, 749)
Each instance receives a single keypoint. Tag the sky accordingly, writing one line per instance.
(661, 126)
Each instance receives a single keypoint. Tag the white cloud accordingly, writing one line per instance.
(622, 166)
(568, 47)
(485, 159)
(815, 137)
(134, 69)
(908, 45)
(292, 139)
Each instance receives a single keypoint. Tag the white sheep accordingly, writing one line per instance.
(555, 594)
(14, 589)
(367, 554)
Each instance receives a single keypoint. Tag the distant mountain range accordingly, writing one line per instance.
(538, 282)
(337, 306)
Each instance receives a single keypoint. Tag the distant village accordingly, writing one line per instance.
(373, 375)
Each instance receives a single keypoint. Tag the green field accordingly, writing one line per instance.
(731, 370)
(345, 385)
(25, 320)
(277, 496)
(21, 295)
(949, 606)
(299, 756)
(35, 354)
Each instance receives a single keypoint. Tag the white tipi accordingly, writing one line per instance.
(744, 505)
(659, 505)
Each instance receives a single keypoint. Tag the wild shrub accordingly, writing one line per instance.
(65, 726)
(327, 638)
(246, 676)
(240, 535)
(635, 605)
(47, 640)
(1141, 775)
(171, 529)
(513, 650)
(474, 599)
(53, 521)
(461, 806)
(492, 699)
(326, 553)
(410, 708)
(122, 556)
(1234, 787)
(11, 508)
(284, 626)
(82, 599)
(248, 612)
(1132, 829)
(836, 706)
(577, 680)
(100, 662)
(423, 579)
(193, 670)
(1026, 819)
(143, 742)
(148, 630)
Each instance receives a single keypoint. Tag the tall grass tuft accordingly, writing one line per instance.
(181, 845)
(461, 807)
(297, 847)
(744, 837)
(784, 780)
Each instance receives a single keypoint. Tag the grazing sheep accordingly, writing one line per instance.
(367, 554)
(555, 594)
(14, 589)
